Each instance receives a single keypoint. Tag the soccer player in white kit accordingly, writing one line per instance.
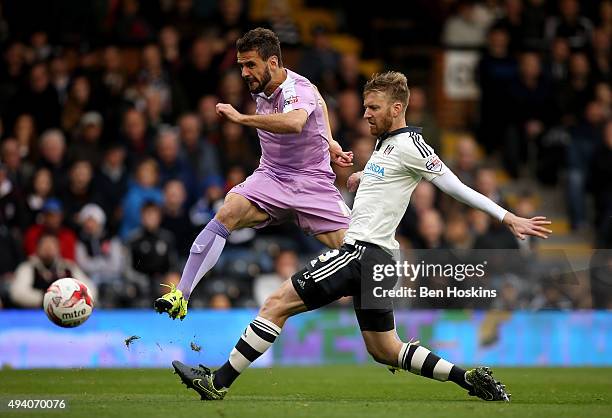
(400, 160)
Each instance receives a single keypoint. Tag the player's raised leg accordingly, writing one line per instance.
(387, 348)
(237, 212)
(256, 339)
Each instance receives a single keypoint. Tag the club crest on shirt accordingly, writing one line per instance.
(291, 100)
(388, 150)
(434, 164)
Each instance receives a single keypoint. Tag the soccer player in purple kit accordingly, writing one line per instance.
(294, 180)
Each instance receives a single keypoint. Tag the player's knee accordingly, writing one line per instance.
(228, 215)
(274, 307)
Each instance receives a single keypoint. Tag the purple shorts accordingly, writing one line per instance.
(314, 203)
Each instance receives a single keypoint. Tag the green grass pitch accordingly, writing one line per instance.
(336, 391)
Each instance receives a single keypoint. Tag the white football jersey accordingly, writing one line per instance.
(400, 160)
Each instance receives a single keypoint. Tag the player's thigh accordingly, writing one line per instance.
(238, 212)
(383, 346)
(332, 239)
(328, 277)
(282, 304)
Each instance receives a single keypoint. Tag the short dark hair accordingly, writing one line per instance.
(262, 40)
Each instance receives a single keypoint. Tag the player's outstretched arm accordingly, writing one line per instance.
(520, 227)
(279, 123)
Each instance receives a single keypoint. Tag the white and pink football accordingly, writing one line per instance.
(68, 302)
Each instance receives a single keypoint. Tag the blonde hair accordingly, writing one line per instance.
(392, 83)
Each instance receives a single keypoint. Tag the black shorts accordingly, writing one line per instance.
(348, 271)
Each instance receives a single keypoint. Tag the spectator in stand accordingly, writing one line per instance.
(418, 114)
(486, 183)
(174, 216)
(573, 95)
(80, 191)
(211, 200)
(169, 42)
(39, 99)
(33, 277)
(142, 189)
(320, 62)
(431, 231)
(496, 68)
(154, 76)
(234, 148)
(466, 161)
(280, 19)
(12, 69)
(285, 266)
(457, 233)
(605, 15)
(350, 112)
(530, 104)
(130, 26)
(53, 156)
(462, 29)
(196, 149)
(112, 82)
(86, 144)
(172, 165)
(183, 17)
(200, 76)
(51, 223)
(349, 77)
(151, 252)
(97, 253)
(232, 91)
(600, 175)
(570, 24)
(111, 182)
(601, 55)
(534, 23)
(60, 77)
(558, 62)
(586, 136)
(207, 112)
(12, 203)
(77, 104)
(24, 131)
(512, 23)
(40, 189)
(18, 171)
(136, 136)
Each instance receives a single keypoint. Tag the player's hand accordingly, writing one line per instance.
(227, 111)
(521, 227)
(353, 181)
(338, 156)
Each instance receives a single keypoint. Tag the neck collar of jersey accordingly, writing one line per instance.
(380, 139)
(278, 89)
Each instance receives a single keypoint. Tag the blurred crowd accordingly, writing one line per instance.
(113, 158)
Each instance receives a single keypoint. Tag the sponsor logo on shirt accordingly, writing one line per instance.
(388, 150)
(291, 100)
(434, 164)
(374, 169)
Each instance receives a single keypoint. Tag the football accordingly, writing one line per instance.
(68, 302)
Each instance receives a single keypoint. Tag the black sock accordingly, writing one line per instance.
(457, 375)
(256, 339)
